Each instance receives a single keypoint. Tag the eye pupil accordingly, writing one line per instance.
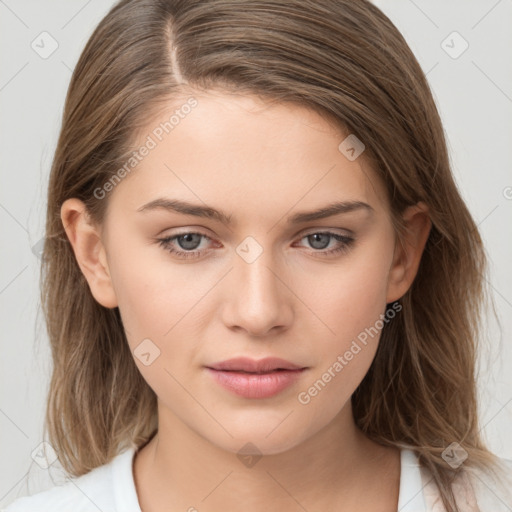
(317, 237)
(189, 239)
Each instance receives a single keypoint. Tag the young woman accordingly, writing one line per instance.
(262, 287)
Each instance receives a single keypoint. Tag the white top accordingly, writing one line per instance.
(111, 488)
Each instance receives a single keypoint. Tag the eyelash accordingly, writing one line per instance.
(345, 241)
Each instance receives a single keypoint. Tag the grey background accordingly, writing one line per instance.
(474, 95)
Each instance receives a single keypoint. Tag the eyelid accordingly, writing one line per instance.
(337, 231)
(307, 231)
(183, 230)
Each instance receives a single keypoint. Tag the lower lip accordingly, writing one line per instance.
(253, 385)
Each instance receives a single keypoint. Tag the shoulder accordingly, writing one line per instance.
(493, 492)
(475, 490)
(90, 492)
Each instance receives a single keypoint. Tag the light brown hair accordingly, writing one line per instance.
(347, 61)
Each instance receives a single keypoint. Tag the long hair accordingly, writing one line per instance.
(348, 62)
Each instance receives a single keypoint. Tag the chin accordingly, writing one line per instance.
(258, 441)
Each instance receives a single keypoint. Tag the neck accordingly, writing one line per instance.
(335, 467)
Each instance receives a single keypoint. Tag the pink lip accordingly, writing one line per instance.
(252, 378)
(246, 364)
(256, 385)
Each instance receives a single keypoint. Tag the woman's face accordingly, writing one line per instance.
(267, 284)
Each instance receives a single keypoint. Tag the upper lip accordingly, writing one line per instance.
(246, 364)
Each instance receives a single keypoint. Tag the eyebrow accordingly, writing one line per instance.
(186, 208)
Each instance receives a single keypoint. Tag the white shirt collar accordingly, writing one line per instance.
(411, 498)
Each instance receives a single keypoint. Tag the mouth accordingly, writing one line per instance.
(260, 366)
(255, 379)
(257, 373)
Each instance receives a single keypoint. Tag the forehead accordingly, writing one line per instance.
(240, 152)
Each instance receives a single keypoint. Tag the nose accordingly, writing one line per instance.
(259, 298)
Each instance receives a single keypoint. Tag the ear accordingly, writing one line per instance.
(85, 238)
(407, 254)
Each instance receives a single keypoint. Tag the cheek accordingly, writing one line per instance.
(353, 297)
(156, 302)
(153, 293)
(353, 307)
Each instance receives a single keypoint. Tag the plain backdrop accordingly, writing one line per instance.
(465, 49)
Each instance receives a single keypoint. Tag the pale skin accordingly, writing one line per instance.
(261, 164)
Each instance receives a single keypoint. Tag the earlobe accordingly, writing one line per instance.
(85, 239)
(408, 252)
